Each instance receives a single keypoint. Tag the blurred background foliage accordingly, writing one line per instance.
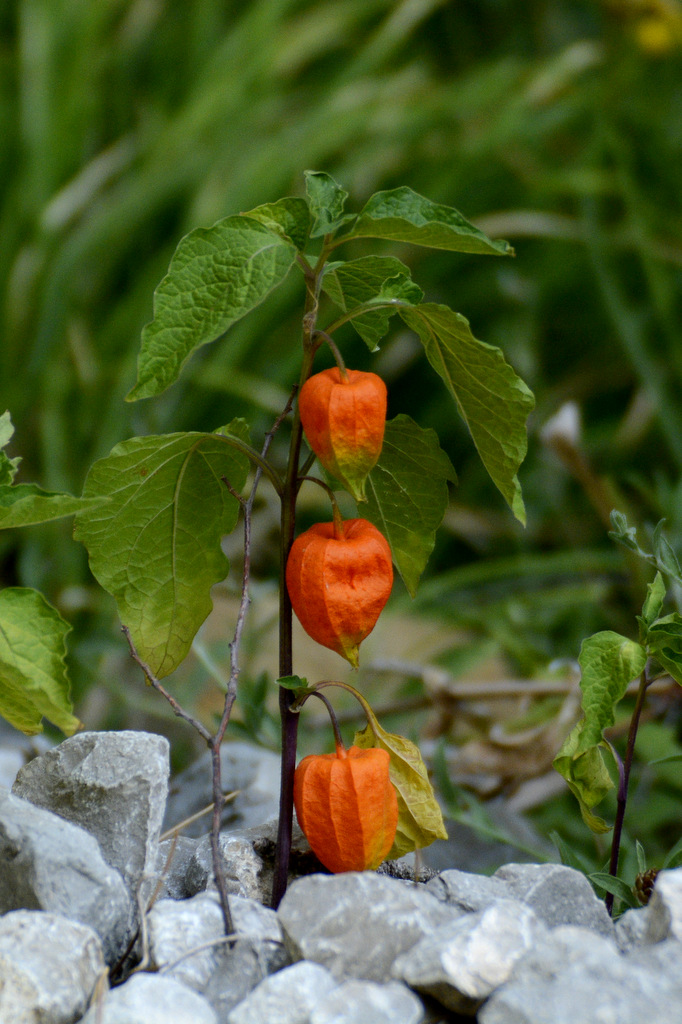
(552, 123)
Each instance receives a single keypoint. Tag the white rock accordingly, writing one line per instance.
(49, 967)
(151, 999)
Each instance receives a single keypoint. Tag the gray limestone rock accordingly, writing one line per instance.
(467, 891)
(559, 895)
(359, 1002)
(630, 929)
(575, 976)
(248, 861)
(49, 967)
(664, 910)
(241, 864)
(356, 924)
(173, 859)
(287, 997)
(151, 999)
(462, 962)
(112, 784)
(49, 864)
(244, 767)
(176, 928)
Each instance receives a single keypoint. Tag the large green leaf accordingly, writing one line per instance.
(404, 216)
(288, 217)
(156, 544)
(33, 680)
(216, 276)
(407, 494)
(493, 401)
(327, 200)
(27, 504)
(358, 282)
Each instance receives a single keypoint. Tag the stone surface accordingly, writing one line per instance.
(114, 785)
(242, 866)
(367, 1002)
(49, 864)
(559, 895)
(244, 767)
(466, 891)
(664, 910)
(49, 967)
(578, 977)
(173, 858)
(175, 929)
(151, 999)
(630, 929)
(462, 962)
(356, 924)
(288, 997)
(248, 861)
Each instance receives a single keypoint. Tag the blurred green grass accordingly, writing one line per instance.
(554, 124)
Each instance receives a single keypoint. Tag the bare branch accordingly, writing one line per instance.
(153, 681)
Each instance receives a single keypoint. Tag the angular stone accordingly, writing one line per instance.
(356, 924)
(559, 895)
(287, 997)
(244, 767)
(242, 867)
(462, 962)
(49, 967)
(49, 864)
(575, 976)
(173, 859)
(467, 891)
(630, 929)
(112, 784)
(248, 857)
(151, 999)
(359, 1002)
(664, 910)
(175, 929)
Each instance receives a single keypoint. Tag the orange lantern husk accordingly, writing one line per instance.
(347, 807)
(339, 577)
(343, 414)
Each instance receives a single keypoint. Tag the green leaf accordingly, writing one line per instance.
(664, 641)
(404, 216)
(292, 683)
(491, 399)
(653, 603)
(27, 504)
(641, 857)
(216, 276)
(155, 546)
(587, 777)
(407, 494)
(33, 679)
(664, 554)
(8, 467)
(419, 817)
(608, 663)
(616, 886)
(356, 283)
(327, 200)
(289, 218)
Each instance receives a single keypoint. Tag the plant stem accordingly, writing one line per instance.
(288, 526)
(624, 778)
